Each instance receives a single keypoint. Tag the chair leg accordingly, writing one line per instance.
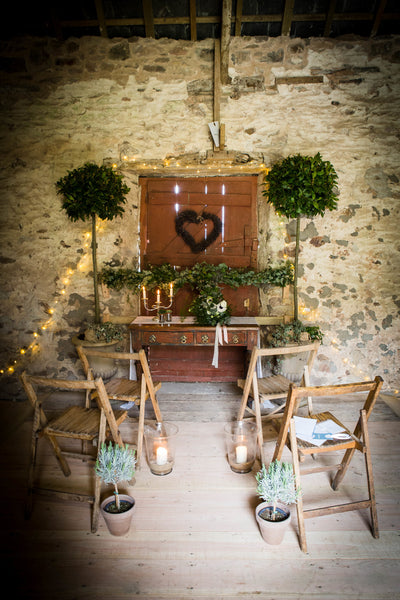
(96, 504)
(370, 477)
(97, 483)
(29, 499)
(296, 470)
(142, 407)
(257, 410)
(57, 451)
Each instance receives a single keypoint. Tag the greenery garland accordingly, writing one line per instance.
(199, 277)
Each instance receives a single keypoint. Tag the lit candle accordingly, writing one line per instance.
(144, 293)
(241, 454)
(161, 455)
(171, 289)
(158, 296)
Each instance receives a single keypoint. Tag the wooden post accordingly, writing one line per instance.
(217, 83)
(225, 39)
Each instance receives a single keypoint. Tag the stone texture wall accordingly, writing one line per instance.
(94, 99)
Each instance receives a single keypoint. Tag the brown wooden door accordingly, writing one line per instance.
(228, 203)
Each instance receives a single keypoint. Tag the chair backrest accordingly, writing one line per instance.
(307, 349)
(140, 356)
(370, 388)
(31, 382)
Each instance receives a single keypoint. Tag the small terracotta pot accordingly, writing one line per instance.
(118, 523)
(273, 531)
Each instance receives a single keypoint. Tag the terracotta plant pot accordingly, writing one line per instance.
(118, 523)
(273, 531)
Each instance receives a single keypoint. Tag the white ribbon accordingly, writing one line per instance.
(218, 340)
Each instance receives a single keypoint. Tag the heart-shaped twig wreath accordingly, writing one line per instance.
(190, 216)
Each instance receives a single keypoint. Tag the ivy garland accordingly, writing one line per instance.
(199, 277)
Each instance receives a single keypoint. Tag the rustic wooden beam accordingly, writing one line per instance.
(217, 80)
(378, 18)
(100, 18)
(55, 21)
(148, 18)
(276, 18)
(329, 18)
(193, 26)
(353, 17)
(225, 39)
(287, 17)
(238, 18)
(149, 22)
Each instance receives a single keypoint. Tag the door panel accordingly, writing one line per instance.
(232, 200)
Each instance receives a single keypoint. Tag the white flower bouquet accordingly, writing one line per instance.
(210, 308)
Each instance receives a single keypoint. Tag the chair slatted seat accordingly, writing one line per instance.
(123, 389)
(75, 422)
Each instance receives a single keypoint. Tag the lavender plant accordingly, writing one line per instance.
(115, 464)
(277, 484)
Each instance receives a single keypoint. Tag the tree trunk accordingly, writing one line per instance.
(94, 261)
(296, 265)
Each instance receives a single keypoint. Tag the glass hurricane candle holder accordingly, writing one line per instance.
(160, 447)
(241, 444)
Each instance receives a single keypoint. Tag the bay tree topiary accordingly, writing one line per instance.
(301, 186)
(88, 192)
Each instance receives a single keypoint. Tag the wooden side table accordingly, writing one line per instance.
(183, 351)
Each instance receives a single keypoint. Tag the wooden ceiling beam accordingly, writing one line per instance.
(225, 39)
(100, 18)
(148, 18)
(149, 22)
(193, 24)
(238, 18)
(287, 17)
(378, 18)
(329, 18)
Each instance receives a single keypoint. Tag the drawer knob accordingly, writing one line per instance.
(204, 338)
(235, 339)
(183, 339)
(152, 338)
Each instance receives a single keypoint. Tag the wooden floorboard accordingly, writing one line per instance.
(194, 535)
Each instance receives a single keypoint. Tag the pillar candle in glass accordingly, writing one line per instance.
(241, 445)
(160, 447)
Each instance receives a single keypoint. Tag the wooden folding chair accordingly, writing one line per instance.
(75, 422)
(127, 390)
(274, 387)
(350, 442)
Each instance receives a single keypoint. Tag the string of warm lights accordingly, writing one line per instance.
(217, 166)
(51, 310)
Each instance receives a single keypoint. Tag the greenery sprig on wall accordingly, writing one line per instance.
(198, 277)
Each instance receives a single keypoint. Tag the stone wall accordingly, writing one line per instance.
(95, 99)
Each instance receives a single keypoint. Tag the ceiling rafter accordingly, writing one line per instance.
(236, 23)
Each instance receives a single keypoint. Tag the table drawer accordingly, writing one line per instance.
(167, 337)
(205, 337)
(235, 338)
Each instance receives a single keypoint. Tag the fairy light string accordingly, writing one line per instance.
(26, 351)
(30, 349)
